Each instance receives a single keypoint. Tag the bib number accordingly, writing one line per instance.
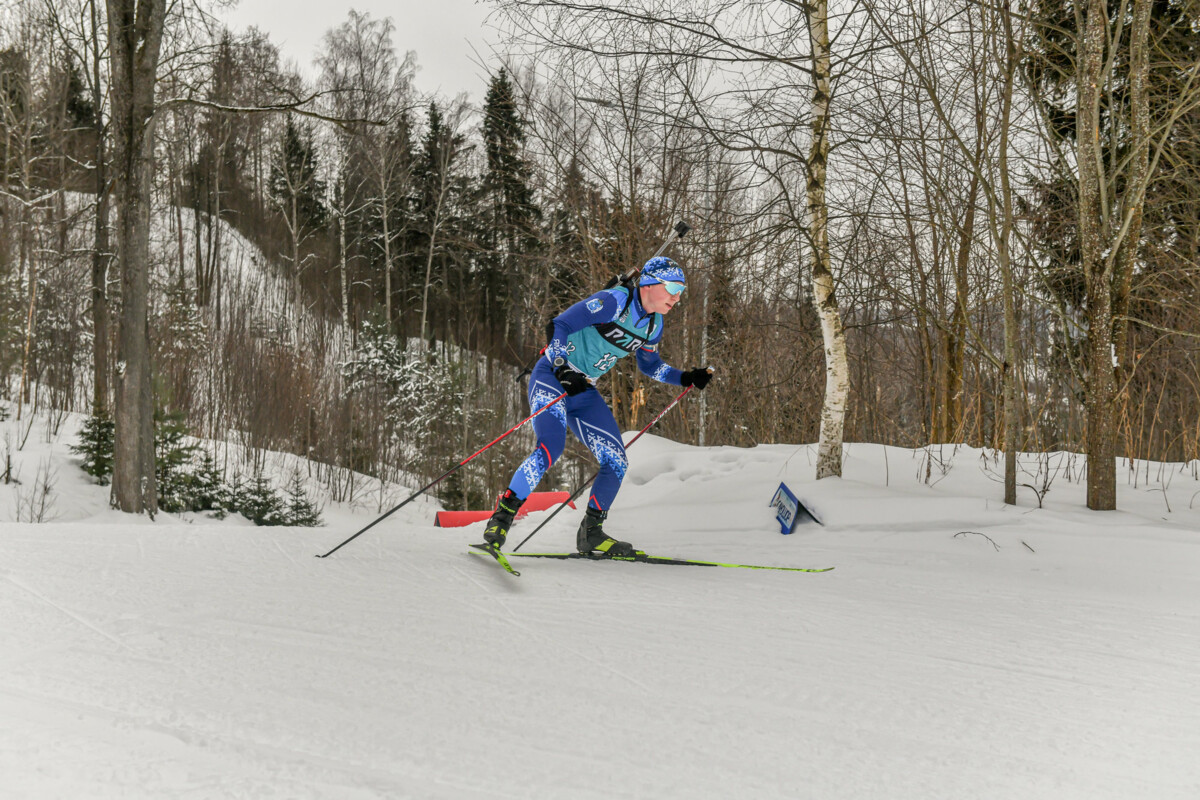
(606, 361)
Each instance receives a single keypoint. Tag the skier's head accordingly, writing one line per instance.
(661, 283)
(661, 269)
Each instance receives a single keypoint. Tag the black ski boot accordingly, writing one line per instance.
(592, 540)
(502, 518)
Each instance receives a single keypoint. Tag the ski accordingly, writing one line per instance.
(646, 559)
(495, 553)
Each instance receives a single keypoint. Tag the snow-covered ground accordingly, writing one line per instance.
(960, 649)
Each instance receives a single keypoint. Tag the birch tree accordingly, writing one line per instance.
(764, 83)
(837, 368)
(368, 85)
(297, 189)
(101, 252)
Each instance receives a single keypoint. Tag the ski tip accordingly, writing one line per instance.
(495, 553)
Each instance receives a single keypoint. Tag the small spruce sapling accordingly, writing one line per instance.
(172, 459)
(261, 504)
(209, 491)
(96, 447)
(301, 511)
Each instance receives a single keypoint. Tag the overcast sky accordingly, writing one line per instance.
(442, 32)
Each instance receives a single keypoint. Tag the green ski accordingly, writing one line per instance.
(646, 559)
(495, 553)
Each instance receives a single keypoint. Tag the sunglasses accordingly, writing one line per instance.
(674, 287)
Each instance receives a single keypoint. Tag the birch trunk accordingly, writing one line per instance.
(1012, 419)
(100, 245)
(837, 369)
(23, 394)
(703, 360)
(135, 30)
(342, 266)
(956, 340)
(384, 219)
(429, 269)
(294, 220)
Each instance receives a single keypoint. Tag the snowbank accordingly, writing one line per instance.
(960, 648)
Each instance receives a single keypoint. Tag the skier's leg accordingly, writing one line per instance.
(551, 431)
(593, 423)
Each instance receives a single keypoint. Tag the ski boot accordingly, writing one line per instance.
(593, 541)
(502, 518)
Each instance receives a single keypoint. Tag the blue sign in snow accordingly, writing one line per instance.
(787, 509)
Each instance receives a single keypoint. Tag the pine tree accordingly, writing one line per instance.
(208, 489)
(419, 389)
(579, 208)
(233, 493)
(180, 342)
(96, 447)
(301, 511)
(172, 460)
(294, 177)
(78, 111)
(442, 189)
(261, 504)
(398, 192)
(508, 198)
(14, 108)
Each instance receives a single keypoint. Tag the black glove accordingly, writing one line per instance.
(698, 377)
(572, 380)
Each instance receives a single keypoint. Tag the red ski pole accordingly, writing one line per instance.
(443, 476)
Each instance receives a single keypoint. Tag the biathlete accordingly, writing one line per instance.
(588, 340)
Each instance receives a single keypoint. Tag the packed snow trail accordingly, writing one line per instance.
(202, 659)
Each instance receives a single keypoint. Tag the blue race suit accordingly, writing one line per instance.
(591, 336)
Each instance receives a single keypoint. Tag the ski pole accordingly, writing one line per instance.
(443, 476)
(588, 482)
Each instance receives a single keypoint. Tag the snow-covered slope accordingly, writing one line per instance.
(960, 649)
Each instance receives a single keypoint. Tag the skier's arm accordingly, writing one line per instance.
(651, 363)
(603, 306)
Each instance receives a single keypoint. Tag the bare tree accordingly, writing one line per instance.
(298, 192)
(988, 48)
(1111, 200)
(135, 35)
(366, 82)
(80, 29)
(102, 251)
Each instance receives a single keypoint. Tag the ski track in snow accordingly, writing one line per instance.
(210, 661)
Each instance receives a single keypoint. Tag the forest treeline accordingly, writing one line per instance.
(893, 187)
